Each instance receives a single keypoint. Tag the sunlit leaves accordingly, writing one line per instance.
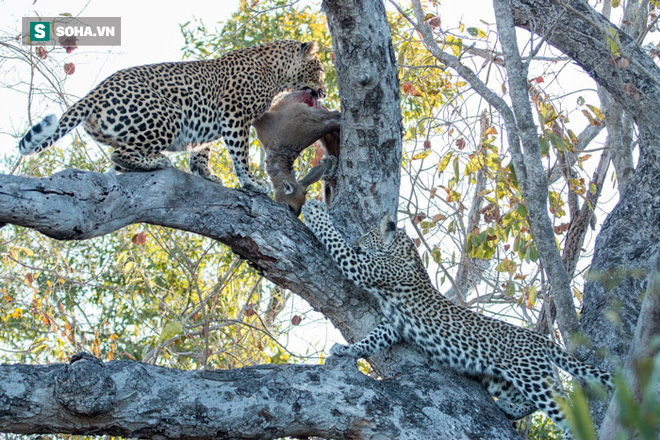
(444, 162)
(556, 204)
(455, 44)
(170, 330)
(507, 266)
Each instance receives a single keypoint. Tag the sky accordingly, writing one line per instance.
(150, 34)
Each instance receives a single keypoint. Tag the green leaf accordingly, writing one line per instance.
(544, 145)
(476, 32)
(171, 329)
(533, 253)
(578, 416)
(507, 266)
(557, 142)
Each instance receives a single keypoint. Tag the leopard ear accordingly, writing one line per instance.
(387, 229)
(308, 50)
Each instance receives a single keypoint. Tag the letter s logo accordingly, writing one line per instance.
(40, 31)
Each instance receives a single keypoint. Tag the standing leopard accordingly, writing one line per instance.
(514, 363)
(142, 111)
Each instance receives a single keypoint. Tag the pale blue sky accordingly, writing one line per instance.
(150, 34)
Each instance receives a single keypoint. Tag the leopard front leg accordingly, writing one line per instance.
(381, 337)
(236, 136)
(354, 266)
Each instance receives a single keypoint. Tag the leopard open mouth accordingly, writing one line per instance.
(316, 94)
(312, 98)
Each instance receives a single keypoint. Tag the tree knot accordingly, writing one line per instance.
(84, 387)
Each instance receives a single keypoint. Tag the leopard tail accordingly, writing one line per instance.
(578, 368)
(50, 130)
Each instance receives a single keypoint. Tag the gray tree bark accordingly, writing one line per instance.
(370, 160)
(642, 348)
(289, 400)
(132, 399)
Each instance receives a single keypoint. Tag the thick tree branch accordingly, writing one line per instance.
(528, 170)
(535, 186)
(77, 205)
(582, 33)
(133, 399)
(643, 347)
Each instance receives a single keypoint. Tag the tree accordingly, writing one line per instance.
(411, 402)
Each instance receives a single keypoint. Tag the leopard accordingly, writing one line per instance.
(515, 364)
(145, 110)
(295, 121)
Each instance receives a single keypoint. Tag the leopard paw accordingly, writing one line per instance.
(256, 186)
(313, 206)
(342, 351)
(213, 178)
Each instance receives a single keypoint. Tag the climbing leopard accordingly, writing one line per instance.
(514, 363)
(142, 111)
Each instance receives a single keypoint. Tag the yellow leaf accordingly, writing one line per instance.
(612, 39)
(596, 111)
(421, 155)
(444, 162)
(491, 130)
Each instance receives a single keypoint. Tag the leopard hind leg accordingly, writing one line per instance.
(538, 385)
(127, 160)
(511, 401)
